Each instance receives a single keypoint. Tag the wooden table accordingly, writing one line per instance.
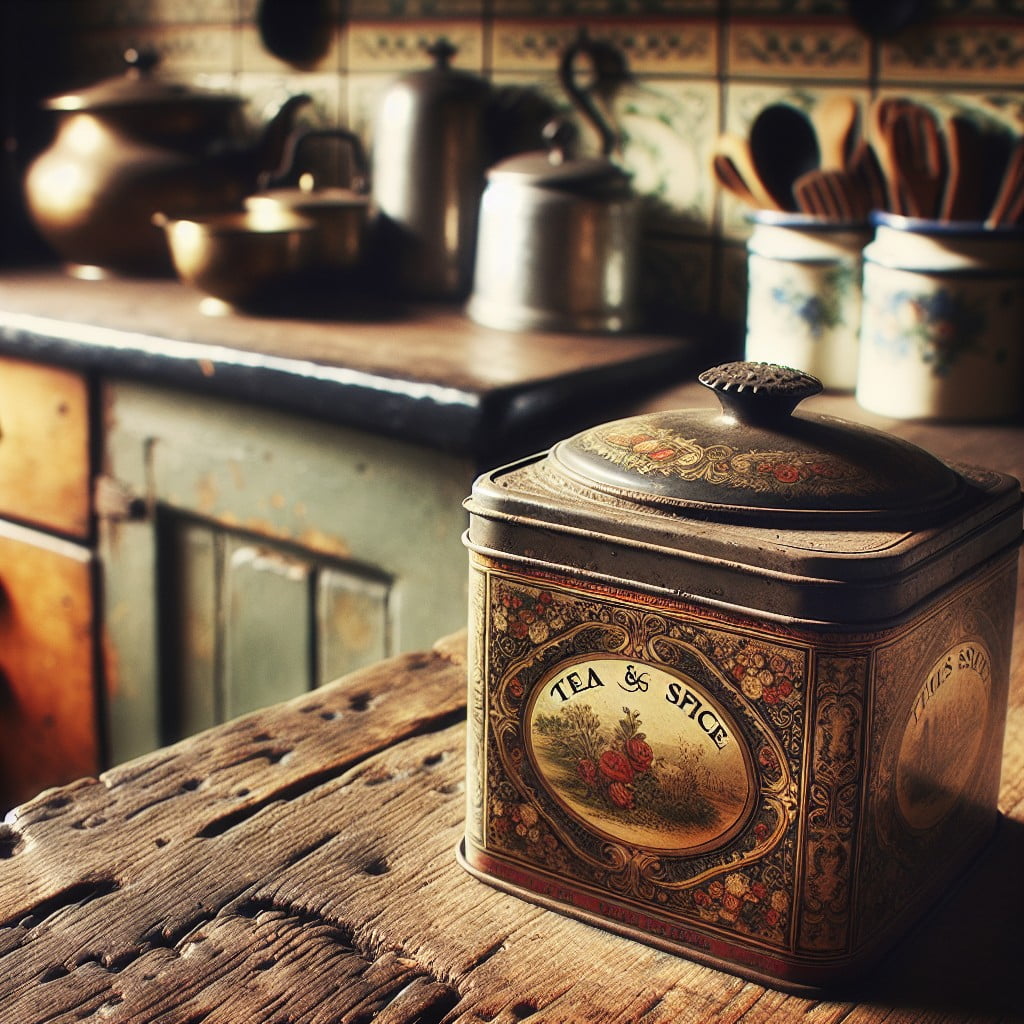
(298, 864)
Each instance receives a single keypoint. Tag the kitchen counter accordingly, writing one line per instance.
(427, 373)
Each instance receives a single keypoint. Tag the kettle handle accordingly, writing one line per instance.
(609, 67)
(299, 140)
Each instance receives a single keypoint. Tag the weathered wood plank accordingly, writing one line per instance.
(299, 865)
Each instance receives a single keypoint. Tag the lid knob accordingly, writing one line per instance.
(759, 392)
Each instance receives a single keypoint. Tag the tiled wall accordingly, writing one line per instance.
(697, 67)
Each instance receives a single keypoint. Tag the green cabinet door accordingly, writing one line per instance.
(254, 555)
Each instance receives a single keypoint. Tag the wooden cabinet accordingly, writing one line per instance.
(49, 719)
(249, 555)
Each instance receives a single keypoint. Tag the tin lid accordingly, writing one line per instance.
(759, 460)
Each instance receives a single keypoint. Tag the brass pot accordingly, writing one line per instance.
(134, 145)
(239, 258)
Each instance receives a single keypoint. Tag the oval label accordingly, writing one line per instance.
(640, 754)
(943, 735)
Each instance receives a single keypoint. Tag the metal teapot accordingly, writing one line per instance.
(134, 145)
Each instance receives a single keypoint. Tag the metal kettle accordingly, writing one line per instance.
(429, 161)
(558, 234)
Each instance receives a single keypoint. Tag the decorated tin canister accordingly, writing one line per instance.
(738, 681)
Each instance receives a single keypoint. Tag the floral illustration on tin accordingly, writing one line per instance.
(938, 326)
(611, 776)
(645, 448)
(643, 755)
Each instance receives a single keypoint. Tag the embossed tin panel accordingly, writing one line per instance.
(676, 732)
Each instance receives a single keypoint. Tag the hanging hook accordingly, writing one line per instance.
(609, 70)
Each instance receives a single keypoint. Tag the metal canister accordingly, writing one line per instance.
(738, 681)
(428, 162)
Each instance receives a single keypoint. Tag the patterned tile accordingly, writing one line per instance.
(601, 8)
(964, 52)
(183, 50)
(787, 8)
(668, 130)
(401, 46)
(665, 46)
(818, 50)
(399, 10)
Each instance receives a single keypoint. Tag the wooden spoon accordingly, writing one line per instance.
(918, 158)
(783, 145)
(835, 123)
(883, 111)
(736, 150)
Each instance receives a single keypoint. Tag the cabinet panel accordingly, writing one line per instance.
(44, 447)
(352, 622)
(48, 713)
(267, 627)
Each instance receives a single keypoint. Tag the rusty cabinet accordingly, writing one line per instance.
(249, 555)
(49, 714)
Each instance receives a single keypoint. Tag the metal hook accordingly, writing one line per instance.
(609, 69)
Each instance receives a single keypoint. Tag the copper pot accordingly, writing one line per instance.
(134, 145)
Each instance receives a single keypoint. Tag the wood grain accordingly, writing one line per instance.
(299, 865)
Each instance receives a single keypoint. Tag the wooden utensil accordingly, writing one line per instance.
(962, 199)
(783, 145)
(733, 162)
(834, 195)
(867, 172)
(835, 124)
(883, 111)
(1008, 207)
(919, 159)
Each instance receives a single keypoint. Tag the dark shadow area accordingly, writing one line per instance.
(967, 955)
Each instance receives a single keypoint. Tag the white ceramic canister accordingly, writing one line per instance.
(943, 317)
(803, 300)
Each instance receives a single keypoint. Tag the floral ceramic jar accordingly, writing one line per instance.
(738, 681)
(942, 332)
(804, 298)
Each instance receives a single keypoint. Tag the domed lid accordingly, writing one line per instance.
(139, 86)
(559, 167)
(757, 460)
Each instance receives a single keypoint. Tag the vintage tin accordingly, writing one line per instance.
(738, 681)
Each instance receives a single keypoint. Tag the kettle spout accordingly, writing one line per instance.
(270, 146)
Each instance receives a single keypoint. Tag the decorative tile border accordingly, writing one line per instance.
(957, 52)
(402, 46)
(254, 56)
(820, 49)
(665, 46)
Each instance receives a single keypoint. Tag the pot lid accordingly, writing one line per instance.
(757, 459)
(556, 167)
(139, 86)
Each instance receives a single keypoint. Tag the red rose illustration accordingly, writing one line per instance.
(662, 454)
(771, 917)
(639, 753)
(620, 796)
(615, 767)
(701, 898)
(587, 771)
(786, 474)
